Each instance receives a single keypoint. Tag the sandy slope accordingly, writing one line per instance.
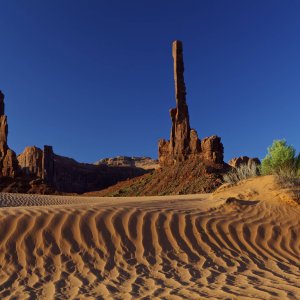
(177, 247)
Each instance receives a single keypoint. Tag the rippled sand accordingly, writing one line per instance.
(175, 247)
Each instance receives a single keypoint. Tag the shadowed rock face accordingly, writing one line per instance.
(184, 142)
(8, 160)
(72, 176)
(48, 165)
(1, 104)
(64, 174)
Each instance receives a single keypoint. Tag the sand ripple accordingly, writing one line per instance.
(149, 250)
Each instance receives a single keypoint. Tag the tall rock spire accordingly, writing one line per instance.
(3, 126)
(180, 133)
(184, 142)
(1, 103)
(8, 160)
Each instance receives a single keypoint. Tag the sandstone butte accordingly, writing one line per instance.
(187, 164)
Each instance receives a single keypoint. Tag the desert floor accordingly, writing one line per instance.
(174, 247)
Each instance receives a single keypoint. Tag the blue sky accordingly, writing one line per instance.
(94, 79)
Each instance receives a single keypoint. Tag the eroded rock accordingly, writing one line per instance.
(212, 149)
(8, 160)
(31, 161)
(184, 142)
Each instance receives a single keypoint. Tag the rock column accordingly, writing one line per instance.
(183, 140)
(8, 160)
(180, 133)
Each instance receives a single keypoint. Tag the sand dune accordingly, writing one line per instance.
(179, 247)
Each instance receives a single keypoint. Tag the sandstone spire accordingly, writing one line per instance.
(180, 133)
(8, 160)
(184, 141)
(1, 104)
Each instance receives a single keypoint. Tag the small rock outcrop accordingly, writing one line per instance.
(212, 149)
(39, 163)
(184, 142)
(8, 159)
(31, 161)
(244, 160)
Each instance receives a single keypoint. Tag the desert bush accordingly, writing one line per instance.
(244, 171)
(281, 160)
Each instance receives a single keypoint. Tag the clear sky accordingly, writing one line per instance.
(94, 78)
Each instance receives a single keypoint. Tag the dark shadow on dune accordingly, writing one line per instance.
(231, 200)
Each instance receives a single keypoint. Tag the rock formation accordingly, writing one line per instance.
(146, 163)
(184, 142)
(36, 162)
(31, 161)
(212, 149)
(238, 161)
(8, 160)
(74, 177)
(64, 174)
(188, 165)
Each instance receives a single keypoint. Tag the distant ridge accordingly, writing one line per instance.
(144, 162)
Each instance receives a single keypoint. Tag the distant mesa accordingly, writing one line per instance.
(146, 163)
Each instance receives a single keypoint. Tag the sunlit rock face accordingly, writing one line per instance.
(184, 142)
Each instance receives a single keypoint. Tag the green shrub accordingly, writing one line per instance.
(281, 160)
